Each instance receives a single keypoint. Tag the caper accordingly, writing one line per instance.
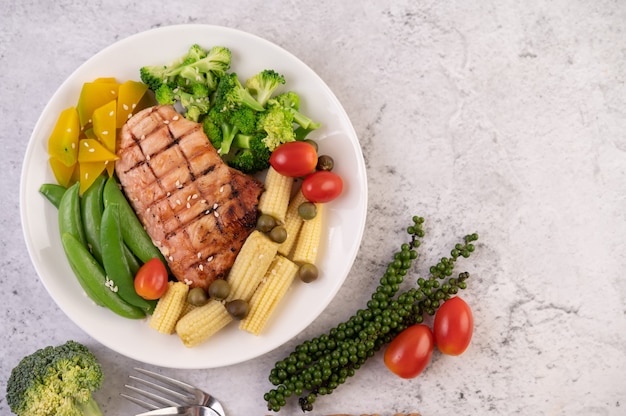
(278, 234)
(237, 308)
(307, 272)
(265, 223)
(307, 210)
(325, 162)
(197, 296)
(219, 289)
(312, 143)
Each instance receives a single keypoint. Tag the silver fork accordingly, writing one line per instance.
(178, 393)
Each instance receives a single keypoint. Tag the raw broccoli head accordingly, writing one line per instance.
(263, 84)
(56, 381)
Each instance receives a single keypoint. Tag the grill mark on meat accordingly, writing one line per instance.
(197, 210)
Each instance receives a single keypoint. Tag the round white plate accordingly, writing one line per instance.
(344, 217)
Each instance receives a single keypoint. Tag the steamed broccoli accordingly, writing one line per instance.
(189, 80)
(291, 101)
(230, 94)
(56, 381)
(263, 84)
(250, 153)
(277, 123)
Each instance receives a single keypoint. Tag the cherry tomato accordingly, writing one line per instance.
(151, 280)
(294, 159)
(453, 326)
(322, 186)
(409, 352)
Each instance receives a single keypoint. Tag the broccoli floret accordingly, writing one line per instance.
(213, 132)
(277, 123)
(165, 95)
(231, 94)
(290, 100)
(56, 381)
(251, 155)
(263, 84)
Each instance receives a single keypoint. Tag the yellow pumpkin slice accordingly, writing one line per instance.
(104, 119)
(92, 96)
(63, 142)
(63, 174)
(90, 150)
(129, 97)
(89, 172)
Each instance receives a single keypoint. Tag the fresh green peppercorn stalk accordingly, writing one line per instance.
(319, 365)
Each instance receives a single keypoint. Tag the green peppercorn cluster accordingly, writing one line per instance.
(319, 365)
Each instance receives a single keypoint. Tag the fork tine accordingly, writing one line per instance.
(152, 396)
(139, 402)
(167, 380)
(180, 396)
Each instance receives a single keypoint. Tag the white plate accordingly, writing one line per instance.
(345, 217)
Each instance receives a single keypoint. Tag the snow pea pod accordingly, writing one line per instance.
(135, 236)
(70, 220)
(93, 279)
(53, 192)
(91, 207)
(114, 260)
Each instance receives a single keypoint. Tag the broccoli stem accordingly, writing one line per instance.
(90, 408)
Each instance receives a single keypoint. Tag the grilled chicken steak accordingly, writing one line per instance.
(197, 210)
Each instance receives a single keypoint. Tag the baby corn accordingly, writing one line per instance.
(309, 238)
(275, 284)
(202, 322)
(169, 308)
(250, 266)
(275, 199)
(293, 221)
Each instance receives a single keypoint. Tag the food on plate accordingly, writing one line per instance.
(82, 143)
(322, 186)
(151, 280)
(305, 251)
(453, 326)
(275, 199)
(294, 159)
(267, 296)
(318, 366)
(169, 308)
(196, 209)
(202, 322)
(56, 380)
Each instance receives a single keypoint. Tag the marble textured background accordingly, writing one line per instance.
(505, 118)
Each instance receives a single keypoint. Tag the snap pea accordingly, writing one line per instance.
(92, 278)
(135, 236)
(69, 214)
(114, 260)
(53, 192)
(91, 207)
(133, 261)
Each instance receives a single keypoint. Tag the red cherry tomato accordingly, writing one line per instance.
(322, 186)
(151, 280)
(294, 159)
(409, 352)
(453, 326)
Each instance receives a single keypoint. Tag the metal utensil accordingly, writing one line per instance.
(193, 410)
(172, 393)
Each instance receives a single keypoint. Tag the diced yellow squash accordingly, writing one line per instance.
(90, 150)
(129, 96)
(106, 79)
(89, 172)
(104, 124)
(63, 142)
(64, 175)
(92, 96)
